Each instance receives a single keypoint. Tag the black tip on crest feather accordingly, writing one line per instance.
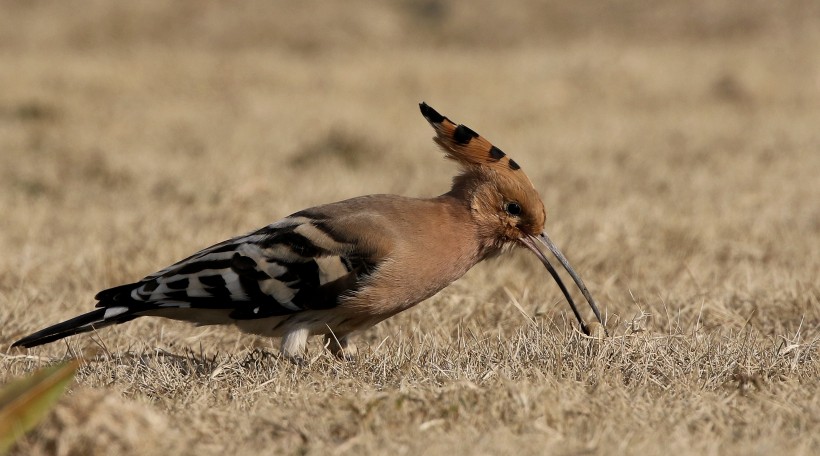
(496, 153)
(430, 114)
(463, 134)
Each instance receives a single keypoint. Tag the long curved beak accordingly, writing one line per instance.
(530, 243)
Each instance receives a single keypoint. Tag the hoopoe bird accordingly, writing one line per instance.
(343, 267)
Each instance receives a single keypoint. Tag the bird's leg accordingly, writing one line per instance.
(340, 346)
(293, 344)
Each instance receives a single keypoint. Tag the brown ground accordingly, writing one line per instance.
(676, 148)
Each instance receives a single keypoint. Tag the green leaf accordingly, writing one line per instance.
(24, 402)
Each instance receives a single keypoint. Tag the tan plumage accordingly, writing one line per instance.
(338, 268)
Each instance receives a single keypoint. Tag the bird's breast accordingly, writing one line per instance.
(421, 264)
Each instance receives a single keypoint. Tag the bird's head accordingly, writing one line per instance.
(505, 206)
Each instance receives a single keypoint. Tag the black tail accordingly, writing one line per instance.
(84, 323)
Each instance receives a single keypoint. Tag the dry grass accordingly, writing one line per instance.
(676, 148)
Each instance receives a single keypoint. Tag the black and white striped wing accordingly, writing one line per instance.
(293, 265)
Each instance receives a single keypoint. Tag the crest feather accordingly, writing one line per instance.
(464, 145)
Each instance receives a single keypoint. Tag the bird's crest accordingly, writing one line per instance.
(464, 145)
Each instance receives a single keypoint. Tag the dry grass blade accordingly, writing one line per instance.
(518, 306)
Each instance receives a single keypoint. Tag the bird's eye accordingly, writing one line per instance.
(512, 208)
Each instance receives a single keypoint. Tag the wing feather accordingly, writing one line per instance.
(292, 265)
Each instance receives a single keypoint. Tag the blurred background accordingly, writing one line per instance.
(675, 142)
